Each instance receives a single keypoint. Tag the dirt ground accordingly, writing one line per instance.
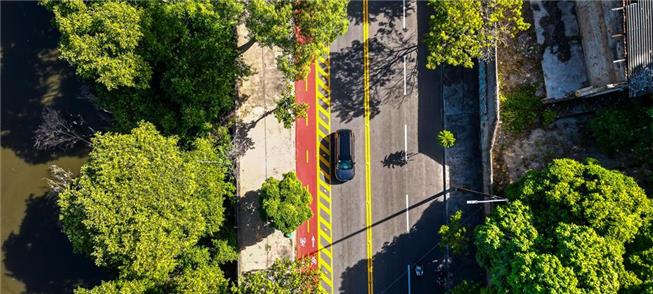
(519, 59)
(514, 154)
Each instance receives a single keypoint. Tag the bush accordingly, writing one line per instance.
(624, 130)
(446, 139)
(520, 109)
(564, 230)
(285, 203)
(454, 235)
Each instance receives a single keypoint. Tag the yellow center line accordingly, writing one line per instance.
(368, 177)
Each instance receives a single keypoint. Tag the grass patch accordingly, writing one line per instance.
(520, 109)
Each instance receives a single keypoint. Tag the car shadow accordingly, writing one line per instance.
(327, 171)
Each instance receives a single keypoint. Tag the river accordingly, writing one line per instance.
(36, 255)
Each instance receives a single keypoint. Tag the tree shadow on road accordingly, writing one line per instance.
(390, 263)
(421, 247)
(34, 78)
(387, 49)
(251, 225)
(41, 256)
(380, 8)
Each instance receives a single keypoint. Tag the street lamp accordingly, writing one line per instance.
(494, 199)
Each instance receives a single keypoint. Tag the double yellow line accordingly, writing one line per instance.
(368, 157)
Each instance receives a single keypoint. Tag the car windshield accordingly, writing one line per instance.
(345, 164)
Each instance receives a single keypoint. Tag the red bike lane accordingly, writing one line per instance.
(306, 160)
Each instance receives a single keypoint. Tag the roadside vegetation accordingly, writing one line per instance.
(569, 228)
(283, 277)
(152, 203)
(446, 139)
(461, 31)
(521, 110)
(627, 129)
(285, 203)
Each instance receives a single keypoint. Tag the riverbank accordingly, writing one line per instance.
(37, 256)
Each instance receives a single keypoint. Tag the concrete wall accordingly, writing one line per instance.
(489, 117)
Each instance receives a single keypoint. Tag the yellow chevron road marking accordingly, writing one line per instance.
(323, 154)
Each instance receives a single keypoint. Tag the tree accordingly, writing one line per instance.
(563, 231)
(639, 259)
(143, 207)
(173, 63)
(101, 40)
(446, 139)
(284, 277)
(463, 30)
(57, 131)
(285, 203)
(303, 30)
(454, 235)
(288, 110)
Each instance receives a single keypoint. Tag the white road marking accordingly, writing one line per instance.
(404, 75)
(405, 142)
(407, 219)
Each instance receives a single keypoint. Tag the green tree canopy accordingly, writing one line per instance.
(302, 29)
(173, 63)
(285, 203)
(461, 31)
(101, 40)
(446, 139)
(563, 231)
(143, 207)
(283, 277)
(639, 259)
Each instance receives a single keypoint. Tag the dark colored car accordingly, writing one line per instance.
(344, 156)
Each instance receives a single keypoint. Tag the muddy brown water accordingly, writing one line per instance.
(36, 256)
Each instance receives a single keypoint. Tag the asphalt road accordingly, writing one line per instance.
(405, 161)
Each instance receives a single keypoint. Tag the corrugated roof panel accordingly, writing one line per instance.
(639, 41)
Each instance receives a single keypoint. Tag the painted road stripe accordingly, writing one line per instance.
(407, 217)
(368, 176)
(405, 142)
(405, 76)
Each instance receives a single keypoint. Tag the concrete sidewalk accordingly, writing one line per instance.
(267, 150)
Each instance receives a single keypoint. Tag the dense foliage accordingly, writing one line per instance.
(302, 29)
(283, 277)
(628, 129)
(151, 212)
(446, 139)
(454, 235)
(461, 31)
(173, 63)
(285, 203)
(639, 260)
(564, 231)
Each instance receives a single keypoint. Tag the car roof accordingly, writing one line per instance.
(345, 137)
